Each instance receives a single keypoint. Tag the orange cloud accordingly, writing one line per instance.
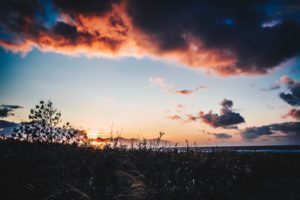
(184, 92)
(188, 92)
(112, 34)
(175, 117)
(294, 113)
(287, 80)
(15, 47)
(127, 28)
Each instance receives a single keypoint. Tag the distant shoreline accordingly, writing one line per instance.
(244, 149)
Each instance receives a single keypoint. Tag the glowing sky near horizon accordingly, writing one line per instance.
(94, 93)
(144, 83)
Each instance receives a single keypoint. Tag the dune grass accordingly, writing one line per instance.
(59, 171)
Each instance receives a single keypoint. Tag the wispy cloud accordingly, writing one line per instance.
(273, 87)
(184, 92)
(175, 117)
(222, 135)
(108, 100)
(160, 82)
(191, 91)
(164, 85)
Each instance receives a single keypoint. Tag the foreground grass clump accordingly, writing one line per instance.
(58, 172)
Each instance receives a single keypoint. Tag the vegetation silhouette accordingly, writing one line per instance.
(54, 171)
(43, 127)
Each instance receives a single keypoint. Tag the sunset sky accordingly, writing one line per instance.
(212, 73)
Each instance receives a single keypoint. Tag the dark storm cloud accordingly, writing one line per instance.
(289, 98)
(18, 13)
(228, 37)
(293, 97)
(65, 30)
(236, 26)
(7, 110)
(226, 119)
(91, 7)
(68, 27)
(291, 129)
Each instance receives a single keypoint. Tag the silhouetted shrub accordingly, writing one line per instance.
(43, 127)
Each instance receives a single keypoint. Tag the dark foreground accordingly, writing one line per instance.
(66, 172)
